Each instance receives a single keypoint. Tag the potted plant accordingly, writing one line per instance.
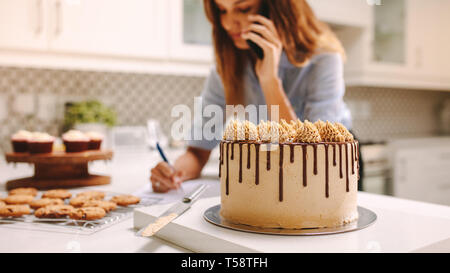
(91, 115)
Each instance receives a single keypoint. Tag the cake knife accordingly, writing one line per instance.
(173, 212)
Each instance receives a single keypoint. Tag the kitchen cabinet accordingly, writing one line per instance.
(354, 13)
(23, 24)
(130, 28)
(404, 47)
(190, 32)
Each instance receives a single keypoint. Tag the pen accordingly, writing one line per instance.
(161, 152)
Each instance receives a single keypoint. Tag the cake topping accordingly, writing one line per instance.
(248, 131)
(231, 131)
(41, 137)
(294, 131)
(287, 133)
(329, 133)
(344, 132)
(319, 124)
(269, 131)
(74, 135)
(308, 133)
(94, 135)
(22, 135)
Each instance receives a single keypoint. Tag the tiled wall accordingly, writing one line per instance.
(33, 99)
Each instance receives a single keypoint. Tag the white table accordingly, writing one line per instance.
(130, 171)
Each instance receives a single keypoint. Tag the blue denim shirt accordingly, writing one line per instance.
(316, 91)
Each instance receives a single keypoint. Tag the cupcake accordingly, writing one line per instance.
(40, 143)
(20, 141)
(95, 140)
(75, 141)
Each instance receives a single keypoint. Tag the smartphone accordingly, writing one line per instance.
(264, 11)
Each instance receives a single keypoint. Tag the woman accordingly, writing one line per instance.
(301, 71)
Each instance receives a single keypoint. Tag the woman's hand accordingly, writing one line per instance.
(262, 31)
(164, 178)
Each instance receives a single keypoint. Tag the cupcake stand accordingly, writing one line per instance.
(59, 169)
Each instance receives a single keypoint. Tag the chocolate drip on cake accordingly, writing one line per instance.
(240, 162)
(257, 164)
(228, 172)
(268, 156)
(304, 165)
(248, 155)
(346, 169)
(340, 161)
(353, 159)
(292, 152)
(315, 158)
(334, 154)
(326, 172)
(220, 159)
(280, 178)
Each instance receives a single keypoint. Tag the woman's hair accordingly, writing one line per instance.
(301, 33)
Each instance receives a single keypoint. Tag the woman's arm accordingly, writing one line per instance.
(275, 95)
(267, 68)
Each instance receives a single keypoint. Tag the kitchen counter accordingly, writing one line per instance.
(130, 172)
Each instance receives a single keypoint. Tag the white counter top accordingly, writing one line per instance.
(130, 172)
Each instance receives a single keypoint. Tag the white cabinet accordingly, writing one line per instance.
(355, 13)
(405, 46)
(421, 169)
(190, 32)
(131, 28)
(23, 24)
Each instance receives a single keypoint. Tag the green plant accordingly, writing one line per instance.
(91, 111)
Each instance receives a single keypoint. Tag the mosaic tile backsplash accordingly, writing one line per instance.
(34, 99)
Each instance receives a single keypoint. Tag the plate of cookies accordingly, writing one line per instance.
(73, 211)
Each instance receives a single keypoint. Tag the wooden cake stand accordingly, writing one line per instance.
(59, 169)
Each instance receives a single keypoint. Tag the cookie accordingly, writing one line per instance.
(14, 210)
(60, 194)
(106, 205)
(98, 195)
(23, 191)
(79, 201)
(54, 211)
(19, 199)
(88, 213)
(125, 200)
(37, 204)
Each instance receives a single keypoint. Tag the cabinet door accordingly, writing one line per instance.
(22, 24)
(429, 39)
(354, 13)
(129, 28)
(190, 32)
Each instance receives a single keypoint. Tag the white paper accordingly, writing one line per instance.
(212, 190)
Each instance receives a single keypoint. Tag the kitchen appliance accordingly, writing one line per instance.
(421, 169)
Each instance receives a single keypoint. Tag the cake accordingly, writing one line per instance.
(95, 140)
(40, 143)
(75, 141)
(288, 175)
(20, 141)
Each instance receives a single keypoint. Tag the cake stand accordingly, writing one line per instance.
(59, 169)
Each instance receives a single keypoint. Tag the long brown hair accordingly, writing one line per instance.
(302, 36)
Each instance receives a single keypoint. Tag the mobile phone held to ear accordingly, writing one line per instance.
(264, 11)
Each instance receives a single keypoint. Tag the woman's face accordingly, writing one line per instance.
(233, 16)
